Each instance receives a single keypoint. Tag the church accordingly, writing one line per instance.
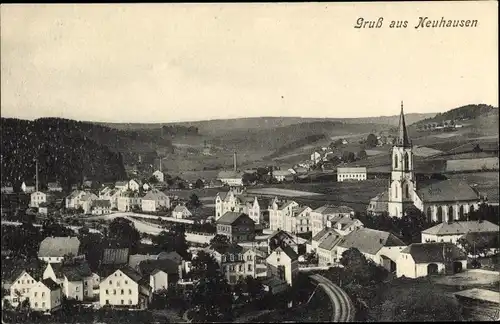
(440, 201)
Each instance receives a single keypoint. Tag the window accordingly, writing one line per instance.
(130, 291)
(107, 292)
(240, 268)
(86, 293)
(111, 282)
(114, 291)
(85, 283)
(107, 301)
(231, 257)
(36, 294)
(22, 282)
(249, 267)
(126, 282)
(123, 302)
(130, 301)
(118, 283)
(43, 294)
(43, 304)
(122, 291)
(36, 304)
(77, 288)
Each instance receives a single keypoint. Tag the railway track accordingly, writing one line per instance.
(343, 308)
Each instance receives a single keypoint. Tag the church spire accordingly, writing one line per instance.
(402, 139)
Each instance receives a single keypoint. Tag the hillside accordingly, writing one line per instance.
(216, 126)
(463, 114)
(64, 149)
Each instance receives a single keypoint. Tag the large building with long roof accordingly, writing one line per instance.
(438, 200)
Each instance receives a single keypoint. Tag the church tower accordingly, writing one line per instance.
(403, 185)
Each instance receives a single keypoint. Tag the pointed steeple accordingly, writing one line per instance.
(402, 139)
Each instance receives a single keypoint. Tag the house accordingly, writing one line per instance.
(238, 227)
(351, 174)
(86, 202)
(215, 183)
(452, 231)
(54, 187)
(45, 296)
(146, 186)
(75, 278)
(126, 288)
(255, 263)
(283, 263)
(38, 198)
(159, 175)
(282, 175)
(280, 213)
(231, 178)
(237, 262)
(379, 204)
(47, 207)
(73, 200)
(274, 285)
(320, 237)
(129, 200)
(112, 195)
(54, 249)
(327, 250)
(236, 200)
(161, 273)
(101, 207)
(344, 224)
(423, 259)
(381, 247)
(292, 171)
(281, 238)
(299, 221)
(28, 187)
(21, 287)
(154, 200)
(315, 157)
(438, 200)
(181, 212)
(121, 185)
(301, 170)
(7, 190)
(134, 185)
(320, 216)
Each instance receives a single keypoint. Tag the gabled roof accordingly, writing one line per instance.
(230, 175)
(51, 284)
(59, 246)
(75, 272)
(88, 196)
(280, 234)
(447, 190)
(53, 185)
(331, 209)
(288, 251)
(299, 210)
(433, 252)
(370, 241)
(74, 194)
(321, 234)
(181, 209)
(147, 267)
(229, 249)
(173, 256)
(135, 259)
(154, 195)
(381, 202)
(121, 183)
(131, 273)
(330, 241)
(351, 169)
(115, 256)
(101, 203)
(462, 227)
(286, 204)
(230, 218)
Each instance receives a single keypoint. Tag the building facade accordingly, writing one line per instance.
(351, 174)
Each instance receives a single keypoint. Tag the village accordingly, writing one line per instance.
(136, 245)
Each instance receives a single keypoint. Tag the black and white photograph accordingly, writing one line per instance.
(250, 162)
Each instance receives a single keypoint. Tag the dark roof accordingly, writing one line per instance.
(288, 251)
(173, 256)
(369, 240)
(59, 246)
(101, 203)
(462, 227)
(131, 273)
(330, 241)
(230, 217)
(321, 234)
(49, 283)
(76, 272)
(402, 139)
(447, 190)
(147, 267)
(227, 249)
(115, 256)
(487, 240)
(433, 252)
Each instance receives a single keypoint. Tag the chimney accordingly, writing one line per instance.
(160, 164)
(235, 162)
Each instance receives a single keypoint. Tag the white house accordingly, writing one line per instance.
(320, 237)
(75, 278)
(315, 157)
(86, 202)
(452, 231)
(146, 186)
(231, 178)
(422, 259)
(283, 263)
(54, 249)
(280, 212)
(351, 174)
(381, 247)
(299, 221)
(282, 175)
(121, 185)
(153, 200)
(159, 175)
(54, 187)
(73, 200)
(127, 201)
(320, 216)
(101, 207)
(134, 185)
(327, 249)
(27, 188)
(344, 224)
(236, 200)
(45, 296)
(21, 287)
(181, 212)
(125, 288)
(38, 198)
(161, 273)
(112, 195)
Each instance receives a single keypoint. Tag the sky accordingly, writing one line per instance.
(179, 62)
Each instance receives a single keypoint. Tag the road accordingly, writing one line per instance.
(343, 308)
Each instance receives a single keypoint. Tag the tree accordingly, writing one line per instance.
(348, 156)
(211, 298)
(153, 180)
(124, 231)
(336, 144)
(194, 201)
(362, 155)
(371, 141)
(249, 178)
(199, 184)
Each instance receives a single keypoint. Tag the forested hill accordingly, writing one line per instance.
(67, 151)
(468, 112)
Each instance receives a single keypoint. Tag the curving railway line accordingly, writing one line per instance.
(343, 308)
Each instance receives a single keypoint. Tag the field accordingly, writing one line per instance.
(281, 192)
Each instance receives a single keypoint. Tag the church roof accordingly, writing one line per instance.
(447, 190)
(402, 139)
